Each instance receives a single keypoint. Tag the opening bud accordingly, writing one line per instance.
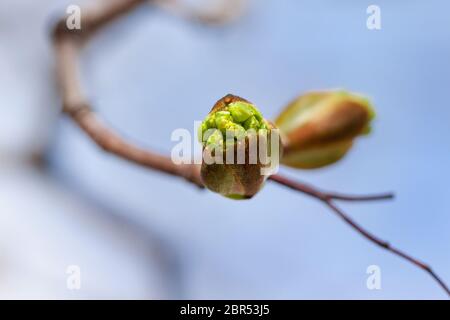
(240, 148)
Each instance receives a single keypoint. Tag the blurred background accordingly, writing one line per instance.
(136, 233)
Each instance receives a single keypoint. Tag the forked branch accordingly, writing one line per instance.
(327, 199)
(67, 47)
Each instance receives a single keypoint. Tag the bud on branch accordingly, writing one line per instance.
(313, 126)
(318, 128)
(239, 148)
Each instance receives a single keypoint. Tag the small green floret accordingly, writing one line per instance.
(240, 111)
(251, 123)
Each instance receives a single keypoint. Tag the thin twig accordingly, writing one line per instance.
(325, 195)
(387, 246)
(67, 47)
(327, 198)
(110, 142)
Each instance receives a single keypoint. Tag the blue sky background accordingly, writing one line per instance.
(151, 73)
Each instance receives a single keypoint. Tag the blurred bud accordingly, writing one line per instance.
(318, 128)
(237, 148)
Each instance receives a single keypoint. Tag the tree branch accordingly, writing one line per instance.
(385, 245)
(327, 199)
(324, 195)
(67, 45)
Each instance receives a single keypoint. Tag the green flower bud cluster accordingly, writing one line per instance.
(317, 128)
(233, 125)
(232, 121)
